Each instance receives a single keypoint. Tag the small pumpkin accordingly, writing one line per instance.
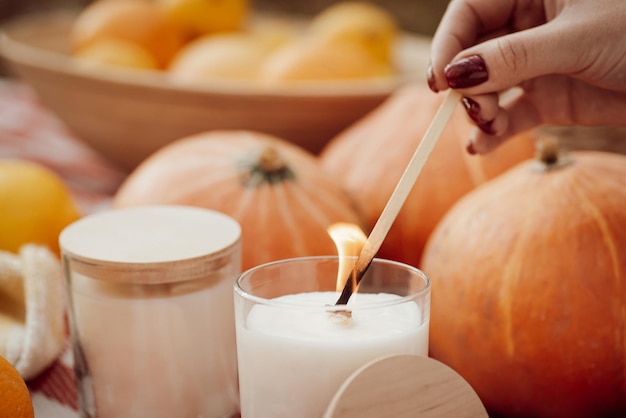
(371, 155)
(277, 191)
(529, 288)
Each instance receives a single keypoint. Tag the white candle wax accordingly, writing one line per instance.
(151, 312)
(158, 357)
(292, 361)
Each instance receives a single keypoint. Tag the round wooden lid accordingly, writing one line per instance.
(150, 243)
(406, 386)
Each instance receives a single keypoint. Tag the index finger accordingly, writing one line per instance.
(461, 26)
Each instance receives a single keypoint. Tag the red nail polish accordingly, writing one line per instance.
(486, 127)
(430, 77)
(470, 148)
(467, 72)
(472, 108)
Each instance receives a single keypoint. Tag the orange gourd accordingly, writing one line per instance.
(371, 155)
(15, 399)
(135, 23)
(529, 288)
(277, 191)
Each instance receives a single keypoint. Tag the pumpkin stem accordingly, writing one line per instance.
(549, 155)
(269, 168)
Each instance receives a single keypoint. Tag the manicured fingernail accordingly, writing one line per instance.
(473, 111)
(467, 72)
(470, 148)
(472, 108)
(486, 127)
(430, 77)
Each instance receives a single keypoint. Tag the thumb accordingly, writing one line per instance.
(506, 61)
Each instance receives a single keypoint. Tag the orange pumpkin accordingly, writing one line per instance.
(277, 191)
(529, 288)
(371, 155)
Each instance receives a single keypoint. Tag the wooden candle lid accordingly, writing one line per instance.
(405, 386)
(150, 244)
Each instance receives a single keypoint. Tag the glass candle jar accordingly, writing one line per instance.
(151, 312)
(296, 347)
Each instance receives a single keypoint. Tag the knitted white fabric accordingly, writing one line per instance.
(32, 309)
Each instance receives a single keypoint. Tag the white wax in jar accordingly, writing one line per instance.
(292, 361)
(151, 311)
(159, 357)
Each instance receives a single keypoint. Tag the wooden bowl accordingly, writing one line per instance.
(128, 114)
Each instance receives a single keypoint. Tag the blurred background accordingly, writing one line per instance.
(416, 16)
(10, 8)
(419, 16)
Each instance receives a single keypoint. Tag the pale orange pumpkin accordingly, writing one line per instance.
(277, 191)
(371, 155)
(529, 288)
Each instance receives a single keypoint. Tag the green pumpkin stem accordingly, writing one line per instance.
(269, 167)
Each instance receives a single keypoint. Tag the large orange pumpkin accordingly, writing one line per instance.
(371, 155)
(529, 288)
(277, 191)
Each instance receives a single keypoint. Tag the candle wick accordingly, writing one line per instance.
(343, 316)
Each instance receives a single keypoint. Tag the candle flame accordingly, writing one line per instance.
(349, 240)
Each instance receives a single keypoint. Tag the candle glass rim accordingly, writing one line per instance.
(370, 305)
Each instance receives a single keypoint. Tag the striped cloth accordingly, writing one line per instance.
(54, 390)
(31, 132)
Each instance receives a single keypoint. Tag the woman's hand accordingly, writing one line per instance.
(567, 56)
